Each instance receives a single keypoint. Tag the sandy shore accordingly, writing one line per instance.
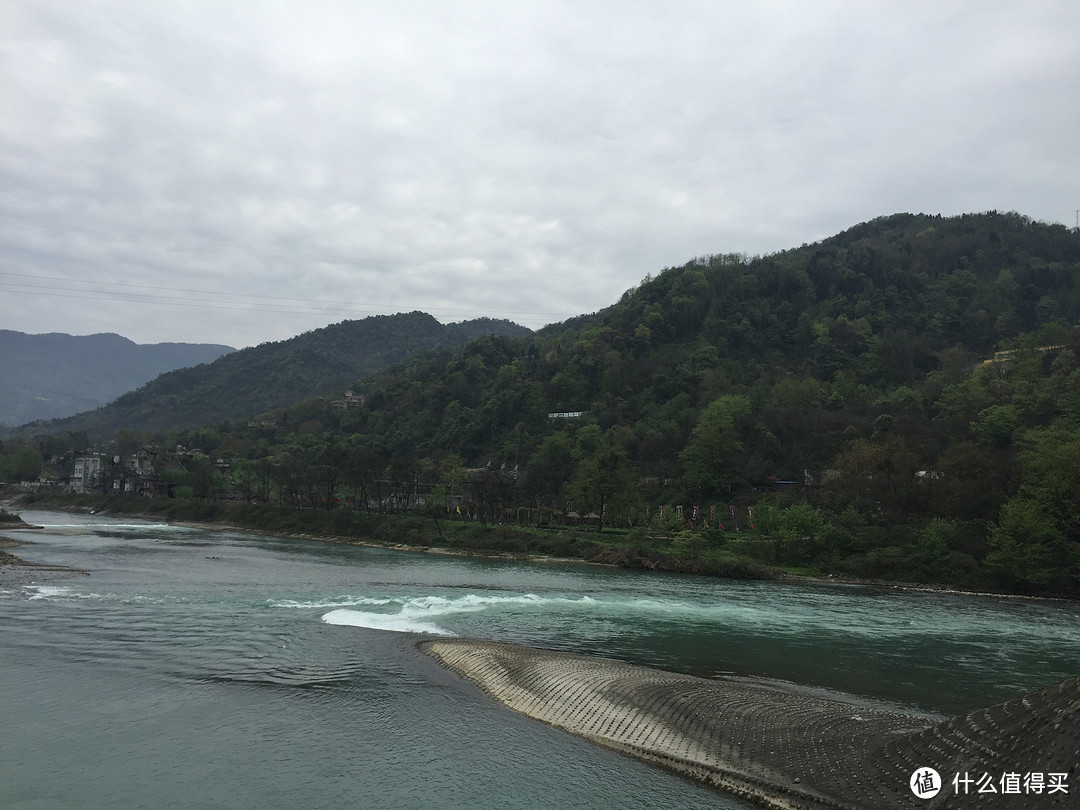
(774, 746)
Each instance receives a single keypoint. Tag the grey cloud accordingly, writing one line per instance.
(483, 158)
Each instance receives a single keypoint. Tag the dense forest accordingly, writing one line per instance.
(900, 401)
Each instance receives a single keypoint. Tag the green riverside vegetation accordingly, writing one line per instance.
(900, 402)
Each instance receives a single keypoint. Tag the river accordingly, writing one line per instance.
(211, 668)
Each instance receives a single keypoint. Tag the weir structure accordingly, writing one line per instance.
(787, 748)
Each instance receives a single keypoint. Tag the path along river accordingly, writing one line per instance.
(200, 668)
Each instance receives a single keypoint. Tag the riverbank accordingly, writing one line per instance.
(466, 539)
(420, 533)
(217, 525)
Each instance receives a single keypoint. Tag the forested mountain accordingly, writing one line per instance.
(322, 362)
(56, 375)
(901, 400)
(814, 343)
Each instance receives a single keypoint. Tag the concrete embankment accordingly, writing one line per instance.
(778, 747)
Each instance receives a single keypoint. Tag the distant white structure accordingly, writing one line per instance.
(84, 477)
(566, 415)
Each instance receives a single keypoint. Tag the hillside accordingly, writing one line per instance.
(899, 401)
(879, 319)
(321, 362)
(55, 375)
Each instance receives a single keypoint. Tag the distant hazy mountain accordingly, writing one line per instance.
(254, 380)
(56, 375)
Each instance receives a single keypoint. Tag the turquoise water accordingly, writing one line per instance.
(194, 668)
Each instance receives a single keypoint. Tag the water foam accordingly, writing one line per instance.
(110, 526)
(48, 591)
(423, 613)
(321, 604)
(394, 622)
(418, 614)
(63, 592)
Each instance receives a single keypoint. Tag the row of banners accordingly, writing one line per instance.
(696, 516)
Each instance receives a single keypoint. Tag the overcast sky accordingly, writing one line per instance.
(237, 172)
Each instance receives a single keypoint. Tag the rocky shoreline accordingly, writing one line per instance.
(15, 572)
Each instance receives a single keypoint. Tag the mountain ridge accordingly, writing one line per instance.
(274, 374)
(54, 374)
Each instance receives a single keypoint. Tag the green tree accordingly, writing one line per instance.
(1035, 543)
(20, 463)
(767, 515)
(931, 559)
(550, 469)
(606, 483)
(879, 477)
(801, 523)
(995, 426)
(1029, 552)
(710, 457)
(794, 530)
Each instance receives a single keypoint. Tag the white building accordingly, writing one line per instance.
(84, 478)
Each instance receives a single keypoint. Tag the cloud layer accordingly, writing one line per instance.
(237, 172)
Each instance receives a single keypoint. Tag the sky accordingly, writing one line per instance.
(242, 171)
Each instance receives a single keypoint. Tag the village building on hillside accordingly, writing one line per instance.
(350, 400)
